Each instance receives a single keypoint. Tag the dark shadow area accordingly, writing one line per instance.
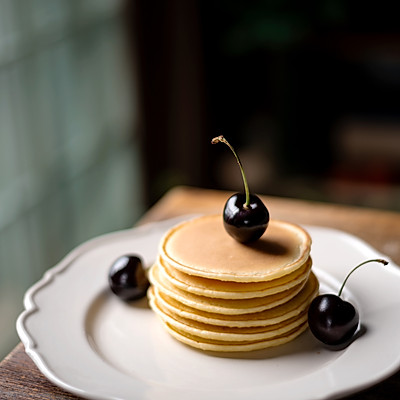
(267, 246)
(306, 92)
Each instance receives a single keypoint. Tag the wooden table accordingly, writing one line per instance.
(20, 379)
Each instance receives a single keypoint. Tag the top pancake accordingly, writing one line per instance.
(202, 247)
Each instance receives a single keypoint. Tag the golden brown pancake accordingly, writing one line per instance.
(216, 294)
(221, 346)
(233, 290)
(201, 247)
(221, 306)
(270, 316)
(224, 333)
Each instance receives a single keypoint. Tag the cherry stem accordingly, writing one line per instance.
(221, 139)
(384, 262)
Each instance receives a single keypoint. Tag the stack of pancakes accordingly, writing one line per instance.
(214, 293)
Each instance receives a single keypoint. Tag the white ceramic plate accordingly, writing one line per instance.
(84, 339)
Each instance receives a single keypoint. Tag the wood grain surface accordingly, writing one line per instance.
(21, 379)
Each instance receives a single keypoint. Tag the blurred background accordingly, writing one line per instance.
(107, 104)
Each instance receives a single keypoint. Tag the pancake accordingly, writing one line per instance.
(201, 247)
(227, 334)
(221, 306)
(233, 290)
(216, 294)
(220, 346)
(270, 316)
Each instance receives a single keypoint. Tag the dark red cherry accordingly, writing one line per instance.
(332, 320)
(245, 216)
(245, 223)
(127, 278)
